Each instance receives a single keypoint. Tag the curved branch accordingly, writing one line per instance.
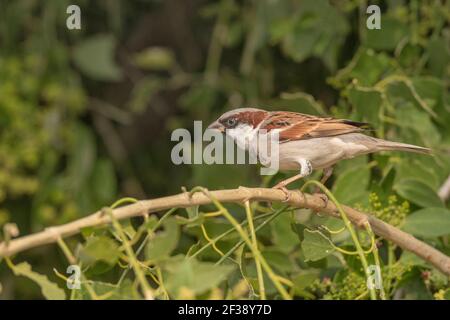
(183, 200)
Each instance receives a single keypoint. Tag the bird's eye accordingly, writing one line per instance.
(231, 122)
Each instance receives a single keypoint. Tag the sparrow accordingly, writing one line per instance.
(306, 142)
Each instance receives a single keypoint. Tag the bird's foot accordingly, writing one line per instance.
(325, 200)
(286, 192)
(318, 192)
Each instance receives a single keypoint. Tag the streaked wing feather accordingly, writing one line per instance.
(297, 126)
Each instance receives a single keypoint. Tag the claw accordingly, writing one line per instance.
(285, 191)
(325, 200)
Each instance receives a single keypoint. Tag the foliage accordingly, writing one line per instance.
(86, 117)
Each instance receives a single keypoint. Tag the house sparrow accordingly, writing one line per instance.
(306, 142)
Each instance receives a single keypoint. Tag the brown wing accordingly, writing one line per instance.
(297, 126)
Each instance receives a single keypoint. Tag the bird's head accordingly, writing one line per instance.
(239, 124)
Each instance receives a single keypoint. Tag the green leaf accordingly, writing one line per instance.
(318, 29)
(162, 245)
(127, 291)
(194, 275)
(88, 232)
(95, 58)
(283, 236)
(128, 229)
(277, 259)
(154, 58)
(413, 118)
(100, 249)
(418, 193)
(429, 222)
(433, 91)
(367, 104)
(367, 67)
(351, 185)
(299, 229)
(439, 56)
(315, 245)
(414, 287)
(150, 224)
(447, 294)
(387, 182)
(388, 37)
(408, 169)
(192, 212)
(353, 262)
(50, 290)
(304, 279)
(298, 102)
(410, 259)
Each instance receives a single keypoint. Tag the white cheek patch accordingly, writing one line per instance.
(261, 146)
(242, 134)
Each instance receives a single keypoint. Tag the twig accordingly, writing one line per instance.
(183, 200)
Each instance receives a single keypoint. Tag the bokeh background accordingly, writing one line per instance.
(86, 115)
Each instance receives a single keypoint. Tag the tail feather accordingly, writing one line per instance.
(374, 144)
(384, 145)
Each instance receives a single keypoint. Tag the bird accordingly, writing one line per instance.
(305, 142)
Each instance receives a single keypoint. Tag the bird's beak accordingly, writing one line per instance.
(216, 126)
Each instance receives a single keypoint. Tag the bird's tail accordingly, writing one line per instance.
(385, 145)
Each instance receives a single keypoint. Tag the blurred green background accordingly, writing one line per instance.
(86, 115)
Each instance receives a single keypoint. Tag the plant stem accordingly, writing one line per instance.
(240, 243)
(147, 290)
(147, 237)
(376, 258)
(72, 260)
(232, 229)
(391, 260)
(256, 253)
(262, 289)
(350, 228)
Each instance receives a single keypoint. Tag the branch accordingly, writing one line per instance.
(240, 195)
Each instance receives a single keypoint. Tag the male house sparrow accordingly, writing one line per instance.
(306, 142)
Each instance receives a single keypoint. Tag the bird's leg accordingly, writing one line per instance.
(327, 172)
(282, 185)
(305, 170)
